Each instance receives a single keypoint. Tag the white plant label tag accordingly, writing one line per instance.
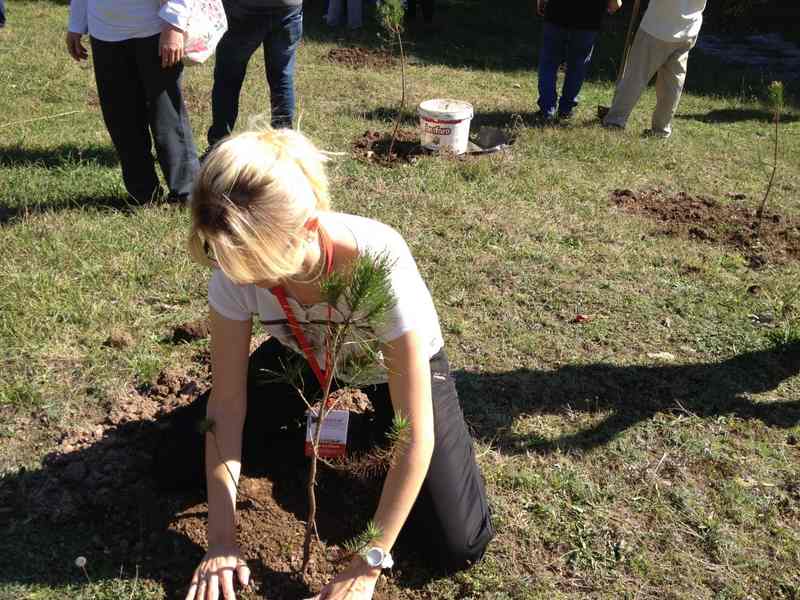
(332, 437)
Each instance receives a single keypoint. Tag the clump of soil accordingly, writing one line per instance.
(732, 225)
(360, 58)
(373, 146)
(190, 331)
(119, 339)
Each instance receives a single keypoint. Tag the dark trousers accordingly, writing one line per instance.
(139, 97)
(561, 44)
(427, 10)
(279, 31)
(450, 520)
(2, 13)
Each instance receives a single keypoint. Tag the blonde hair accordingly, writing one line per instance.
(251, 200)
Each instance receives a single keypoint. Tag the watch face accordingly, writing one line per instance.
(375, 557)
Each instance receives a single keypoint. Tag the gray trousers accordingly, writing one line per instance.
(137, 97)
(650, 56)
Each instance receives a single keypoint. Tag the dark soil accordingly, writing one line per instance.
(373, 146)
(729, 224)
(190, 331)
(360, 58)
(95, 495)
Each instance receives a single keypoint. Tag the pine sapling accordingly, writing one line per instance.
(391, 14)
(775, 103)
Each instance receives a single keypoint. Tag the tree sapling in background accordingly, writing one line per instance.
(390, 15)
(775, 104)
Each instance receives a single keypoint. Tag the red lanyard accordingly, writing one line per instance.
(321, 374)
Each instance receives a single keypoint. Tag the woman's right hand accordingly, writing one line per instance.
(216, 571)
(74, 46)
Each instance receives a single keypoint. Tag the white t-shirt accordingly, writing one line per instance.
(674, 20)
(118, 20)
(413, 309)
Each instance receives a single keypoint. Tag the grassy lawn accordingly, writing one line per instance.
(649, 452)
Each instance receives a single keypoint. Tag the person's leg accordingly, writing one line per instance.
(579, 55)
(235, 48)
(2, 13)
(427, 11)
(411, 10)
(551, 54)
(280, 50)
(451, 518)
(355, 14)
(169, 120)
(335, 9)
(646, 56)
(669, 86)
(123, 102)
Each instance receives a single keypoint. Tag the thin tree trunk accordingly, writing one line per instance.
(403, 93)
(311, 523)
(760, 213)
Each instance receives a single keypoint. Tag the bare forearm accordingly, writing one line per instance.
(223, 464)
(400, 490)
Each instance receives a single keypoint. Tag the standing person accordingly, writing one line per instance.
(427, 10)
(568, 34)
(355, 10)
(137, 50)
(277, 25)
(668, 31)
(261, 218)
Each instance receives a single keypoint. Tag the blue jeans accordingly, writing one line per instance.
(560, 44)
(2, 13)
(279, 31)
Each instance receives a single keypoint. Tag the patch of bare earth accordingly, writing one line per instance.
(360, 58)
(373, 146)
(100, 481)
(728, 224)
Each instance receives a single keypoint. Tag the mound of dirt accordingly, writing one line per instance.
(360, 58)
(728, 224)
(98, 487)
(190, 331)
(373, 146)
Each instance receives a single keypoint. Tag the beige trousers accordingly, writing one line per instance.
(648, 56)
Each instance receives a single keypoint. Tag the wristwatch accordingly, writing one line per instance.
(378, 558)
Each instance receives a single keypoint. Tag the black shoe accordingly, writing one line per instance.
(543, 119)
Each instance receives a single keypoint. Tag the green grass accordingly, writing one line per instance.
(612, 474)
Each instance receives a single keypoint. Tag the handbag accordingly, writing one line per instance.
(207, 24)
(205, 27)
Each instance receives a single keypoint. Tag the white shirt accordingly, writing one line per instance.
(413, 309)
(118, 20)
(674, 20)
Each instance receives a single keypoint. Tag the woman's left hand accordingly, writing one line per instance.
(356, 582)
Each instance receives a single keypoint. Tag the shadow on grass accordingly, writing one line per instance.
(57, 156)
(736, 115)
(632, 394)
(10, 214)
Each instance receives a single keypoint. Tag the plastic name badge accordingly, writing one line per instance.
(332, 437)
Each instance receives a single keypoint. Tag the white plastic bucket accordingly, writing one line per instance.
(444, 124)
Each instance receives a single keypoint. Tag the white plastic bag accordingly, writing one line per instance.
(207, 24)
